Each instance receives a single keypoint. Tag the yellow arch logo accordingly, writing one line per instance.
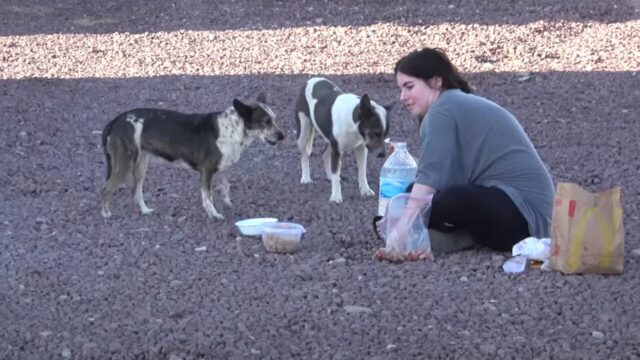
(607, 234)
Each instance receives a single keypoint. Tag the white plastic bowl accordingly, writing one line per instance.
(282, 237)
(253, 227)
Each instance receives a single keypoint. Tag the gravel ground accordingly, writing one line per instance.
(74, 286)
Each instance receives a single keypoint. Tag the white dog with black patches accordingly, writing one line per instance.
(347, 122)
(207, 143)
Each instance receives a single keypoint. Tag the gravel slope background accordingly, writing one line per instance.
(74, 286)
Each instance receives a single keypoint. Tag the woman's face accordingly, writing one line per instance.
(416, 94)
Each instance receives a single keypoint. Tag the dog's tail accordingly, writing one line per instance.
(120, 152)
(105, 138)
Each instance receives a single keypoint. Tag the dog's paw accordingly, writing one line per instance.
(336, 199)
(215, 215)
(146, 211)
(227, 202)
(105, 213)
(305, 180)
(366, 192)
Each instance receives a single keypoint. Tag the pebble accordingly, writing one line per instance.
(636, 252)
(488, 349)
(597, 334)
(66, 353)
(354, 309)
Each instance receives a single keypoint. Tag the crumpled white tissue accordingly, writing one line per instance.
(531, 248)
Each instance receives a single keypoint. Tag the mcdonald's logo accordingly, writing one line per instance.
(607, 234)
(572, 208)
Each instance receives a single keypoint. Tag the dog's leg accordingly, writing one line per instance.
(120, 158)
(139, 173)
(224, 188)
(326, 157)
(361, 160)
(336, 164)
(305, 145)
(205, 190)
(107, 192)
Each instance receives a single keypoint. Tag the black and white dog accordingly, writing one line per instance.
(347, 122)
(207, 143)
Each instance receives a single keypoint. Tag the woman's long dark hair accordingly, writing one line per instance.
(429, 62)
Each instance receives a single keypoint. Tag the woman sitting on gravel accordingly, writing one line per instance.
(486, 182)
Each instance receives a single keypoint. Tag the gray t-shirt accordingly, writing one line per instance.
(467, 139)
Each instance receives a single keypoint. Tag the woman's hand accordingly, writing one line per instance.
(396, 246)
(398, 237)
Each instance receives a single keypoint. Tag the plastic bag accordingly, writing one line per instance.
(418, 237)
(529, 249)
(533, 248)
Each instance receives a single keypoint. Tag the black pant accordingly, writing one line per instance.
(487, 213)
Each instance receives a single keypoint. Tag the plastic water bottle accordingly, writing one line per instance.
(398, 172)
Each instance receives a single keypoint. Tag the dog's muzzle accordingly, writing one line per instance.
(377, 151)
(278, 136)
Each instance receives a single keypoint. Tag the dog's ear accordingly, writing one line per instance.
(243, 110)
(262, 98)
(365, 104)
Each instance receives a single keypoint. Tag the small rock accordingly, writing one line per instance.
(44, 334)
(339, 260)
(391, 347)
(66, 353)
(175, 283)
(177, 236)
(488, 349)
(255, 352)
(525, 77)
(354, 309)
(597, 334)
(497, 257)
(201, 248)
(464, 279)
(636, 252)
(319, 20)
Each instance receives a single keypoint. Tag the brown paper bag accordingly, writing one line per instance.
(587, 234)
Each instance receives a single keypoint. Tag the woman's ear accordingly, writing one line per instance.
(435, 83)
